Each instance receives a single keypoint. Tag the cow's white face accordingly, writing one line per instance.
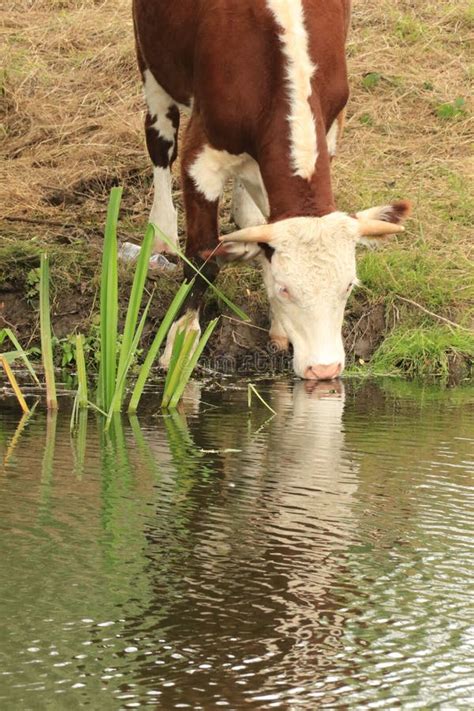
(309, 277)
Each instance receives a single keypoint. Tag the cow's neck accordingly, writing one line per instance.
(290, 195)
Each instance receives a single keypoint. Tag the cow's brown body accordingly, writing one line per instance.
(225, 57)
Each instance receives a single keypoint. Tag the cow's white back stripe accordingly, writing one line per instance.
(289, 15)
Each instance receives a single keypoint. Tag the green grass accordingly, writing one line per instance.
(423, 351)
(410, 30)
(456, 207)
(419, 275)
(16, 260)
(450, 110)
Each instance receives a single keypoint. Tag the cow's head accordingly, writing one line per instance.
(310, 270)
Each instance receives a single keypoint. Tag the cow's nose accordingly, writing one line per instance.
(323, 372)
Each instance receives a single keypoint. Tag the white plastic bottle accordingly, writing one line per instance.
(129, 252)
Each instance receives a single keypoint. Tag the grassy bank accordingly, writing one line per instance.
(72, 127)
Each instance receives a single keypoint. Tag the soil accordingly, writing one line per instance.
(236, 347)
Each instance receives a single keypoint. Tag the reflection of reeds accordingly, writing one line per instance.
(79, 443)
(147, 457)
(252, 390)
(47, 462)
(186, 456)
(18, 432)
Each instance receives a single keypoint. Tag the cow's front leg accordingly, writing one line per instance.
(189, 322)
(202, 209)
(161, 131)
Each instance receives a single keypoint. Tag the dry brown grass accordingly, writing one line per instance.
(396, 143)
(72, 119)
(72, 106)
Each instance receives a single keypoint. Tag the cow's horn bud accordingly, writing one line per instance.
(378, 228)
(262, 233)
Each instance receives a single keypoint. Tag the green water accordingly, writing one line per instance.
(318, 559)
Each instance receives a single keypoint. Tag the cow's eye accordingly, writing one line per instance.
(283, 292)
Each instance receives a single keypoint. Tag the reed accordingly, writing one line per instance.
(190, 362)
(109, 305)
(115, 362)
(82, 390)
(130, 328)
(120, 386)
(14, 383)
(18, 353)
(153, 351)
(9, 357)
(182, 348)
(46, 336)
(251, 392)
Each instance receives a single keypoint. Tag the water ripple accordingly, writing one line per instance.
(318, 559)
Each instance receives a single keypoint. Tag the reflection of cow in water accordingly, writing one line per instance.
(244, 559)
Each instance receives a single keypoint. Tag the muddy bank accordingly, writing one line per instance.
(235, 348)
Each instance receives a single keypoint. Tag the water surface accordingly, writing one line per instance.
(320, 558)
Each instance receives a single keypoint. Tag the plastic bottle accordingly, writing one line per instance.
(129, 252)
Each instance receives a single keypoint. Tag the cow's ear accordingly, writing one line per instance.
(378, 223)
(396, 213)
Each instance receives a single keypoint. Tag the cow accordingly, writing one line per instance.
(265, 84)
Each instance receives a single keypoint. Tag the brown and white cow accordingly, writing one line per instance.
(265, 82)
